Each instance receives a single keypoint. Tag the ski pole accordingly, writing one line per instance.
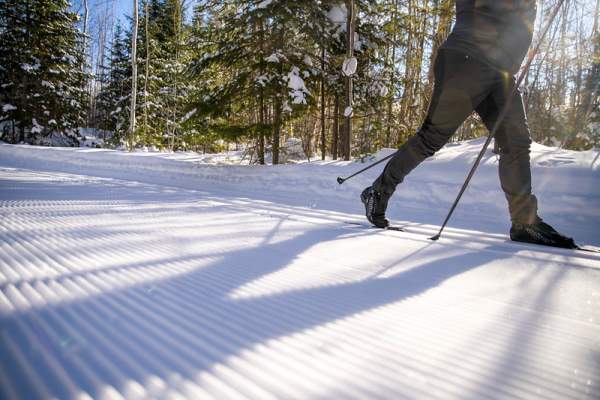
(500, 117)
(341, 180)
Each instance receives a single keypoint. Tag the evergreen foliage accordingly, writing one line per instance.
(260, 72)
(41, 79)
(270, 58)
(113, 100)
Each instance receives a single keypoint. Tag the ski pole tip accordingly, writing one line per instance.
(340, 180)
(434, 238)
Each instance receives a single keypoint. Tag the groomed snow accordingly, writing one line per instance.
(151, 275)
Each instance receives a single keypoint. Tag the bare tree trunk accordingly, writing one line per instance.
(408, 57)
(278, 106)
(133, 75)
(84, 55)
(261, 137)
(596, 17)
(323, 148)
(416, 79)
(314, 132)
(146, 72)
(594, 71)
(592, 81)
(576, 92)
(96, 86)
(392, 63)
(442, 31)
(349, 54)
(336, 127)
(177, 27)
(561, 86)
(85, 33)
(276, 129)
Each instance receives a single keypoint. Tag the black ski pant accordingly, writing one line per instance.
(463, 85)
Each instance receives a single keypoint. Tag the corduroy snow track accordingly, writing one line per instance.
(117, 289)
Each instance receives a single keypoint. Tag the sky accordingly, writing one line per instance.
(120, 10)
(124, 8)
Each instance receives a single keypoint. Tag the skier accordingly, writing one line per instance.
(474, 71)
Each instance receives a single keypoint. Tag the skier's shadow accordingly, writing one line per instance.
(189, 323)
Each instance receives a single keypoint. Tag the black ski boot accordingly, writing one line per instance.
(540, 232)
(375, 204)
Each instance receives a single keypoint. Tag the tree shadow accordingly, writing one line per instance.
(185, 325)
(105, 330)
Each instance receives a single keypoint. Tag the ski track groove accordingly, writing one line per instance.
(341, 305)
(180, 292)
(208, 316)
(451, 237)
(430, 355)
(148, 358)
(99, 357)
(179, 322)
(139, 311)
(83, 366)
(83, 318)
(274, 210)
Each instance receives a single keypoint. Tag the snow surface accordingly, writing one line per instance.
(151, 275)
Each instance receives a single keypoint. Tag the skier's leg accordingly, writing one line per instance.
(515, 172)
(514, 143)
(461, 83)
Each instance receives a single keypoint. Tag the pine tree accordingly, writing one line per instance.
(42, 81)
(162, 86)
(113, 100)
(258, 67)
(368, 89)
(134, 76)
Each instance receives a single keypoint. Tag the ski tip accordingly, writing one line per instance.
(589, 249)
(435, 238)
(340, 180)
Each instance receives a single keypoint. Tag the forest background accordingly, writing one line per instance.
(343, 78)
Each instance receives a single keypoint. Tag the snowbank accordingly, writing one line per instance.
(566, 182)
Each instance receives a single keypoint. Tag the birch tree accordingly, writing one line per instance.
(133, 75)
